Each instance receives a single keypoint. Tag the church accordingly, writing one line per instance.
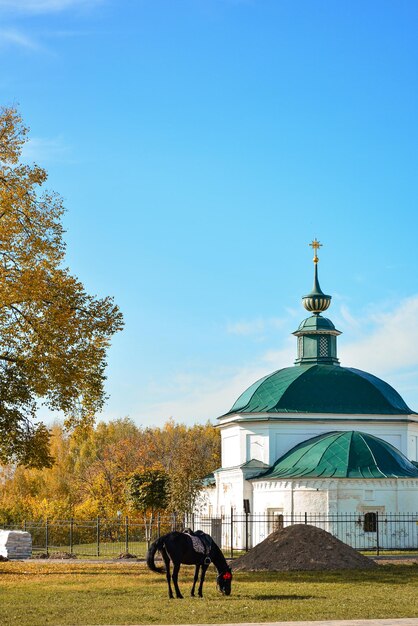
(316, 438)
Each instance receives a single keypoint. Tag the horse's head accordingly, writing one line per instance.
(224, 581)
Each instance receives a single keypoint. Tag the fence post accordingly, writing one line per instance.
(306, 517)
(232, 533)
(377, 533)
(246, 530)
(71, 535)
(46, 535)
(98, 535)
(126, 534)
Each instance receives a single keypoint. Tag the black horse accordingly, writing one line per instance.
(178, 547)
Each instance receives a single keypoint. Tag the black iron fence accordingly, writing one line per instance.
(372, 531)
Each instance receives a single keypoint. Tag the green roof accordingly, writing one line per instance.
(208, 480)
(320, 388)
(339, 454)
(317, 323)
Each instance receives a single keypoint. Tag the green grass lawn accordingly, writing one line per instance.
(107, 550)
(64, 593)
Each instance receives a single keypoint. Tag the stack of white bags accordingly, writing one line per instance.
(15, 544)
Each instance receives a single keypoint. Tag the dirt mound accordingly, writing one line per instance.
(40, 555)
(127, 555)
(302, 547)
(62, 555)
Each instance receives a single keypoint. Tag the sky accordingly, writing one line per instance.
(199, 146)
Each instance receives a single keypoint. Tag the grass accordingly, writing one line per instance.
(64, 593)
(106, 549)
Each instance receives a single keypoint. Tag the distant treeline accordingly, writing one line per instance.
(93, 468)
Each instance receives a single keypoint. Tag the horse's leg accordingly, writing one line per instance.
(196, 576)
(176, 569)
(166, 560)
(202, 579)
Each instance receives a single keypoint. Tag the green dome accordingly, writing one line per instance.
(343, 455)
(321, 389)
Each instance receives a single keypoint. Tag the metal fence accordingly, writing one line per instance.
(371, 531)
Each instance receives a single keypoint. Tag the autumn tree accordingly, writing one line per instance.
(148, 493)
(188, 454)
(32, 493)
(53, 334)
(93, 469)
(104, 459)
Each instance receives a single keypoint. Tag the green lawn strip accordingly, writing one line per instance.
(113, 549)
(106, 549)
(83, 594)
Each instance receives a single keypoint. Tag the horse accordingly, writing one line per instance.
(178, 548)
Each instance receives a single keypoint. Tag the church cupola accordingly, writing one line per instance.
(317, 335)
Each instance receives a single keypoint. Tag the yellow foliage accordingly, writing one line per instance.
(53, 335)
(90, 475)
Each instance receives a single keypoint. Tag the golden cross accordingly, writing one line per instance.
(315, 245)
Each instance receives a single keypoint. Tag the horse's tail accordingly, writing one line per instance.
(157, 545)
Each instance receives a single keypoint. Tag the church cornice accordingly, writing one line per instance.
(323, 419)
(261, 484)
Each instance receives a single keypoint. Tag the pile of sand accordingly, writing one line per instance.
(302, 547)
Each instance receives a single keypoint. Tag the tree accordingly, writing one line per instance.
(53, 335)
(188, 454)
(148, 492)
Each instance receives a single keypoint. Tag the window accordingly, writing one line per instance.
(370, 522)
(275, 520)
(323, 346)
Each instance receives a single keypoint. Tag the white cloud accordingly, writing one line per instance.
(351, 322)
(12, 37)
(44, 6)
(388, 348)
(206, 397)
(43, 150)
(390, 345)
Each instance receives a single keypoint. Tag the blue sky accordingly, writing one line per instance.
(200, 145)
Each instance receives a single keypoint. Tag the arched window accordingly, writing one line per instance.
(370, 522)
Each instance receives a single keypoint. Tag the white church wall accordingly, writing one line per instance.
(231, 489)
(310, 499)
(243, 443)
(335, 496)
(277, 503)
(385, 496)
(413, 447)
(286, 437)
(231, 446)
(257, 445)
(408, 496)
(270, 443)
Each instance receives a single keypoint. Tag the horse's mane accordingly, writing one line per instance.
(217, 557)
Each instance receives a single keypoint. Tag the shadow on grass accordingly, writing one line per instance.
(282, 597)
(73, 572)
(386, 574)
